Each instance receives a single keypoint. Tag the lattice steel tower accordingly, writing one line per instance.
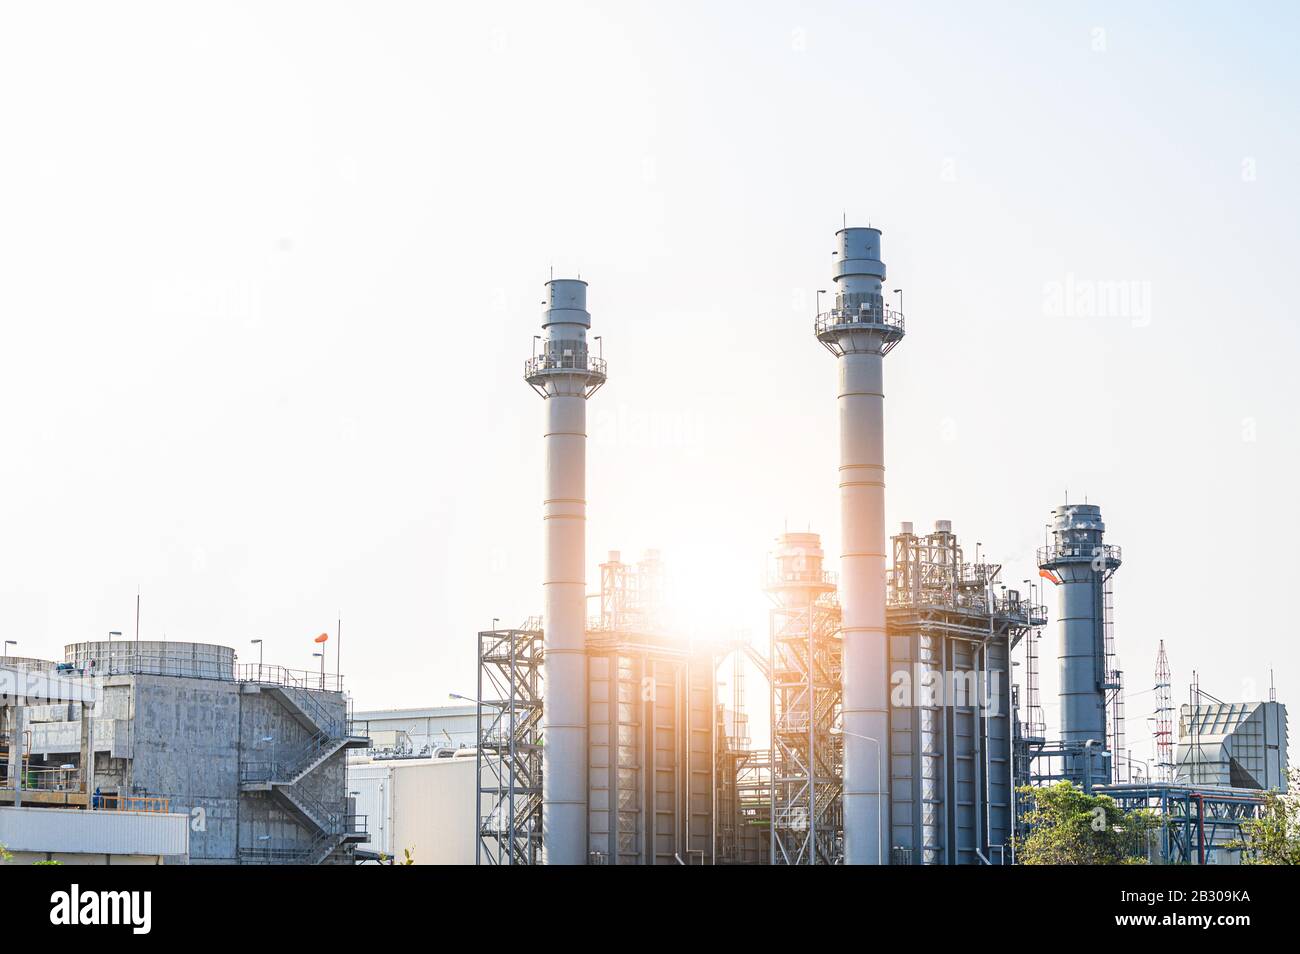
(1164, 715)
(806, 809)
(509, 752)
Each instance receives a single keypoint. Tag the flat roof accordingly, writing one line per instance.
(430, 712)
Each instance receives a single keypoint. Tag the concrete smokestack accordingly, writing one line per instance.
(1080, 559)
(565, 374)
(860, 331)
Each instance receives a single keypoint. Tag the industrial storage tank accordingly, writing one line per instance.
(152, 657)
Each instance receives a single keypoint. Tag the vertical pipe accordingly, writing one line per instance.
(859, 331)
(772, 856)
(18, 728)
(478, 759)
(565, 375)
(812, 736)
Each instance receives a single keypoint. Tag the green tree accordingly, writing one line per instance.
(1274, 837)
(1068, 827)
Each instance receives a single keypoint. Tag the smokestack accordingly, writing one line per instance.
(565, 374)
(860, 331)
(1083, 563)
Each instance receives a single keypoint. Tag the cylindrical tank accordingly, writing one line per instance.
(859, 331)
(565, 374)
(1081, 561)
(152, 657)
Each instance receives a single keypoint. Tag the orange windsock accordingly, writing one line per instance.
(321, 638)
(1049, 575)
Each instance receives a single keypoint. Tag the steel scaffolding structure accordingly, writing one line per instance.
(509, 756)
(742, 781)
(650, 705)
(1199, 822)
(805, 655)
(952, 753)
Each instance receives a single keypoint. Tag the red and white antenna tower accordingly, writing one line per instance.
(1164, 736)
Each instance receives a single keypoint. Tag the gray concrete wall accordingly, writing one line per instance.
(184, 739)
(185, 747)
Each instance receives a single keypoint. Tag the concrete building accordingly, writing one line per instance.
(253, 757)
(50, 811)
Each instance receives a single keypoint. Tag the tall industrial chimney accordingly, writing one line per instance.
(565, 374)
(1083, 564)
(860, 331)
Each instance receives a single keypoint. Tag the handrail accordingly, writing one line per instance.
(308, 679)
(776, 577)
(285, 769)
(332, 819)
(1077, 551)
(113, 802)
(551, 361)
(866, 316)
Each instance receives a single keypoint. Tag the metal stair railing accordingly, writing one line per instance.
(329, 822)
(291, 856)
(286, 771)
(327, 720)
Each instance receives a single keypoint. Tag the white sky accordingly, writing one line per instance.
(268, 273)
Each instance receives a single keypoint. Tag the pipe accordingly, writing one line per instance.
(565, 375)
(859, 331)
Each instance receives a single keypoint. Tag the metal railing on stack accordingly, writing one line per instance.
(553, 361)
(866, 316)
(1076, 551)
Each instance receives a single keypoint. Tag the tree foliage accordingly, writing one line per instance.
(1068, 827)
(1274, 837)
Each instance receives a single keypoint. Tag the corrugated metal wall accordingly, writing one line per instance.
(650, 739)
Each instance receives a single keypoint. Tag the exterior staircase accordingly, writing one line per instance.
(286, 777)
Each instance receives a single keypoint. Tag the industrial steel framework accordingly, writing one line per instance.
(1197, 820)
(804, 678)
(952, 629)
(650, 714)
(508, 800)
(742, 781)
(1164, 731)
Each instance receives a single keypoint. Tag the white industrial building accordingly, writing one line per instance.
(422, 733)
(422, 806)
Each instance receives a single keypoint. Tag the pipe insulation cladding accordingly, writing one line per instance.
(565, 374)
(859, 330)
